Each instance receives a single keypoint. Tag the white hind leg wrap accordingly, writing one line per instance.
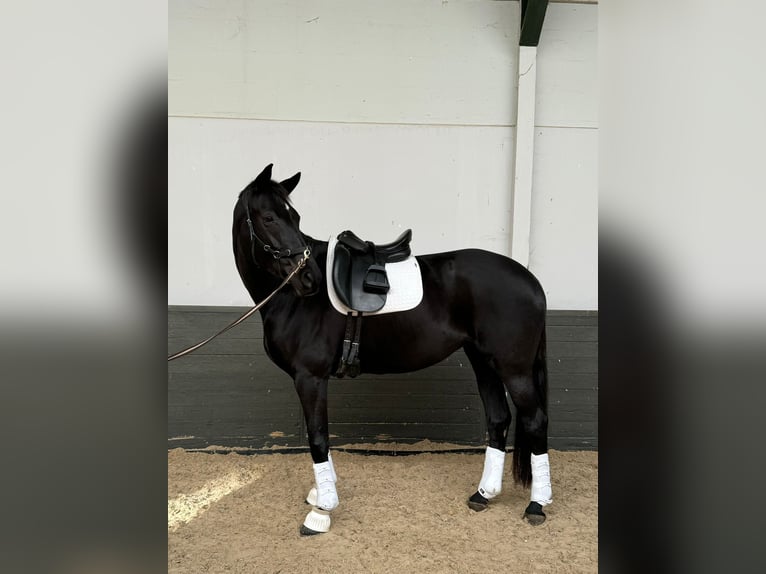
(327, 496)
(492, 478)
(541, 480)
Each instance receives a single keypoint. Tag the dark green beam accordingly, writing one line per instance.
(532, 17)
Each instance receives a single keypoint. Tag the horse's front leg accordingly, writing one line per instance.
(312, 391)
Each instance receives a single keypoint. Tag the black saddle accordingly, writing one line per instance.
(359, 269)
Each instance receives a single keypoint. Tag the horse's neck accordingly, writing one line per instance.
(318, 251)
(261, 284)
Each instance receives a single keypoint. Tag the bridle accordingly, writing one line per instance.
(255, 240)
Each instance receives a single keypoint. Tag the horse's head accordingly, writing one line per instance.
(272, 225)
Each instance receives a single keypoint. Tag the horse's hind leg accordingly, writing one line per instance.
(530, 452)
(498, 417)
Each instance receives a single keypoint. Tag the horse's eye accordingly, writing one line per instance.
(268, 219)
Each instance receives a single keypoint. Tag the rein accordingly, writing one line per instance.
(301, 263)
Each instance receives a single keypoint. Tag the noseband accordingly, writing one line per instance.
(305, 250)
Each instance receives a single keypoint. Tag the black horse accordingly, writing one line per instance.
(486, 303)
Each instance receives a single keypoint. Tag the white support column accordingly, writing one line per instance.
(523, 161)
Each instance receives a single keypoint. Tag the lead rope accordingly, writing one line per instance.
(193, 348)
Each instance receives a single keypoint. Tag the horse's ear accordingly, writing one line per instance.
(290, 183)
(265, 175)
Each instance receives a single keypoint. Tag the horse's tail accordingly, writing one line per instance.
(522, 448)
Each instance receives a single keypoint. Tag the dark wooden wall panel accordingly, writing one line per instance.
(229, 393)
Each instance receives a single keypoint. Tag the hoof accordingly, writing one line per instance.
(534, 514)
(477, 502)
(306, 531)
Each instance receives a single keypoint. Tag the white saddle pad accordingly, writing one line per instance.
(404, 277)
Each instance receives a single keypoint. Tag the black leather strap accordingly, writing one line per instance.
(353, 355)
(349, 360)
(343, 365)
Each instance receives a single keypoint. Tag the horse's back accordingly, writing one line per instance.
(484, 277)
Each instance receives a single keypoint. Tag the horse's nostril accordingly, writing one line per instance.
(308, 279)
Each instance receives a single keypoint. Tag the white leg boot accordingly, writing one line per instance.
(541, 494)
(324, 498)
(541, 480)
(491, 482)
(311, 498)
(492, 478)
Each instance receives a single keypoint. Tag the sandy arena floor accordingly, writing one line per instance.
(237, 513)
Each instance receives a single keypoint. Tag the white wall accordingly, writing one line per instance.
(382, 61)
(410, 100)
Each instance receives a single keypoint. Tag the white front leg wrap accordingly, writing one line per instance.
(327, 496)
(541, 480)
(311, 498)
(492, 478)
(332, 467)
